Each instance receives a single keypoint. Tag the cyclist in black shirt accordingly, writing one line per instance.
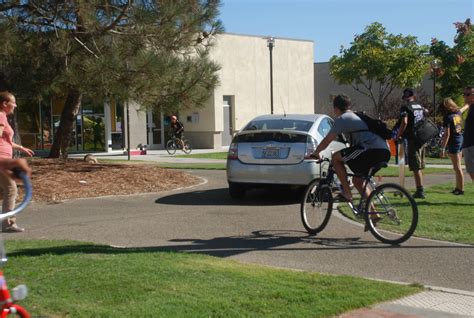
(177, 129)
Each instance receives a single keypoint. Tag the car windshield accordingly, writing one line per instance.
(284, 124)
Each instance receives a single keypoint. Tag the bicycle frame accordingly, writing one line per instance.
(19, 292)
(8, 302)
(357, 210)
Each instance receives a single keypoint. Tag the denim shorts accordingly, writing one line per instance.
(455, 145)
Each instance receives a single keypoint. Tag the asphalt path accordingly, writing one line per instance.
(264, 228)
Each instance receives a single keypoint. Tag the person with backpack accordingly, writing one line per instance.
(412, 113)
(452, 139)
(366, 149)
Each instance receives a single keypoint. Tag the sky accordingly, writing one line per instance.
(332, 23)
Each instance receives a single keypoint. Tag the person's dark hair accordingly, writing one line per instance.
(342, 101)
(5, 96)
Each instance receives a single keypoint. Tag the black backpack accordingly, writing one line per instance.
(375, 126)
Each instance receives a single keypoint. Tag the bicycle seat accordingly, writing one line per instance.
(377, 167)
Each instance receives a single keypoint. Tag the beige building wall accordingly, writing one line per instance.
(245, 75)
(325, 87)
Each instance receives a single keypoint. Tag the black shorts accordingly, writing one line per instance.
(361, 160)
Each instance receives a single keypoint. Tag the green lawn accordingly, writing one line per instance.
(433, 161)
(84, 280)
(223, 155)
(210, 155)
(393, 171)
(190, 166)
(442, 215)
(386, 172)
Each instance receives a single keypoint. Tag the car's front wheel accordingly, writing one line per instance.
(236, 190)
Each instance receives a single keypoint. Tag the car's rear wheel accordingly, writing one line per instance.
(236, 190)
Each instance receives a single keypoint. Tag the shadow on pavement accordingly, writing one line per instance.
(234, 245)
(256, 197)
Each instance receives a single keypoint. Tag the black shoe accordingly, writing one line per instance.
(419, 195)
(458, 192)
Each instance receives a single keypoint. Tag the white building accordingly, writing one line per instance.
(243, 93)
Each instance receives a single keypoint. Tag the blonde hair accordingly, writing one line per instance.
(449, 106)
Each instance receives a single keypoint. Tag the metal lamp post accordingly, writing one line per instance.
(271, 44)
(434, 67)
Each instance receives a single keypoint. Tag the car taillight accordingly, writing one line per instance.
(311, 145)
(233, 152)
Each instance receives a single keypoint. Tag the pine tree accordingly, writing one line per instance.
(154, 52)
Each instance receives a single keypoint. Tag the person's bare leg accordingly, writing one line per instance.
(456, 160)
(338, 164)
(418, 174)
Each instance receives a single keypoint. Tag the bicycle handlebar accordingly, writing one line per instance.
(323, 159)
(26, 199)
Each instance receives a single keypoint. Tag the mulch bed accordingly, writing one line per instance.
(56, 180)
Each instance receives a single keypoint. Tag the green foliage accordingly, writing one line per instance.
(155, 52)
(377, 62)
(456, 64)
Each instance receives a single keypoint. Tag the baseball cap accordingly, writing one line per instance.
(408, 92)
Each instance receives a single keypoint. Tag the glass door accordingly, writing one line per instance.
(155, 130)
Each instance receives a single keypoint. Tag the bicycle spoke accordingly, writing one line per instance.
(393, 214)
(316, 207)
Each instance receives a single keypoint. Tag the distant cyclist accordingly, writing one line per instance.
(177, 129)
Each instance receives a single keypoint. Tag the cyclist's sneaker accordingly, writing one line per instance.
(458, 192)
(419, 194)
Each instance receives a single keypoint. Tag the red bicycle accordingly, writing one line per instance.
(8, 300)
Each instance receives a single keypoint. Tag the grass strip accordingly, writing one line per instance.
(442, 215)
(392, 171)
(210, 155)
(75, 279)
(192, 166)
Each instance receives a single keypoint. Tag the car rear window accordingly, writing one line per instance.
(286, 124)
(270, 136)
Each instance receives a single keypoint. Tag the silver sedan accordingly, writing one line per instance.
(276, 150)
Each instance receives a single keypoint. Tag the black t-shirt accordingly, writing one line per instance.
(177, 127)
(469, 128)
(453, 122)
(415, 113)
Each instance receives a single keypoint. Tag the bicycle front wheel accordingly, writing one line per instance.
(171, 147)
(316, 207)
(187, 146)
(393, 214)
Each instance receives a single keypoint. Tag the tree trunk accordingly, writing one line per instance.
(66, 125)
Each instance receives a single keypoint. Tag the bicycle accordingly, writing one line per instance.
(173, 143)
(7, 300)
(389, 212)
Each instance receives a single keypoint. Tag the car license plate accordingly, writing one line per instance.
(271, 153)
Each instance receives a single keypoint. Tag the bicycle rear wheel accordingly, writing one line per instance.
(396, 215)
(187, 146)
(316, 207)
(171, 147)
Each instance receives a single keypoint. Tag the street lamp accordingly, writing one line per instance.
(434, 67)
(271, 44)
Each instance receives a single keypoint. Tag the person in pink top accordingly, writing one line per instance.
(7, 184)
